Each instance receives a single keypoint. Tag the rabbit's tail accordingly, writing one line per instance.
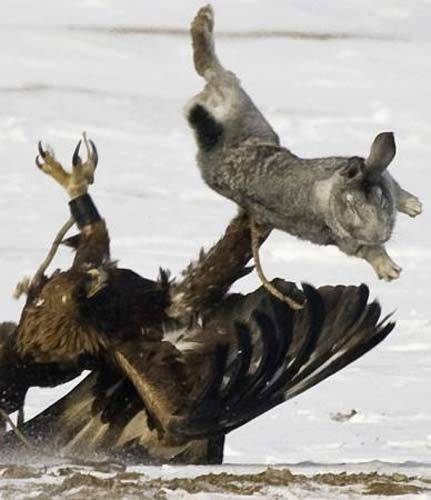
(208, 130)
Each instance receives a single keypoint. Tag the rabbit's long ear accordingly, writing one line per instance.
(381, 154)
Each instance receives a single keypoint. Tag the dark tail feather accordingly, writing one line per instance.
(17, 375)
(12, 389)
(208, 131)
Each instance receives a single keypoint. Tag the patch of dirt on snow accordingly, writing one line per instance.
(247, 484)
(95, 481)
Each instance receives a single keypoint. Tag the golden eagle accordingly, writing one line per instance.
(175, 364)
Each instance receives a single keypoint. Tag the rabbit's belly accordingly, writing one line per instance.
(309, 229)
(316, 233)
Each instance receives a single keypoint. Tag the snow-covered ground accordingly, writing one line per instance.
(329, 76)
(65, 479)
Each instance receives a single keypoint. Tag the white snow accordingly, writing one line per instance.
(67, 67)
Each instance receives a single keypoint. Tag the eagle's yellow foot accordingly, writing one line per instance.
(76, 182)
(87, 168)
(50, 166)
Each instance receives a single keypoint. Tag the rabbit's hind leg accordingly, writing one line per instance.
(202, 29)
(205, 58)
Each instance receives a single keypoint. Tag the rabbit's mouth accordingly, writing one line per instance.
(376, 239)
(377, 234)
(362, 235)
(371, 243)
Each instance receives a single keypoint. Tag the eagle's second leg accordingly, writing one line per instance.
(92, 244)
(256, 234)
(76, 184)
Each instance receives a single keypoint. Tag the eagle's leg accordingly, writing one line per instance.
(205, 281)
(76, 184)
(92, 244)
(272, 289)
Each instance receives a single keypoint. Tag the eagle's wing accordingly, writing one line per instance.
(104, 416)
(18, 374)
(101, 412)
(279, 353)
(180, 396)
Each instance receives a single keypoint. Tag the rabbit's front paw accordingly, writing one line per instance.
(386, 268)
(412, 206)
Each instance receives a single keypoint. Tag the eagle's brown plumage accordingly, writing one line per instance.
(18, 373)
(52, 327)
(71, 315)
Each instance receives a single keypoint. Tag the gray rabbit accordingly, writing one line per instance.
(350, 202)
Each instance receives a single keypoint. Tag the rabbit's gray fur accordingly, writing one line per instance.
(350, 202)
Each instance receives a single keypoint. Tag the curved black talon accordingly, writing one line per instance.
(95, 154)
(76, 159)
(38, 162)
(42, 152)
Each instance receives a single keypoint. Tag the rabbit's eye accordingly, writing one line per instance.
(350, 171)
